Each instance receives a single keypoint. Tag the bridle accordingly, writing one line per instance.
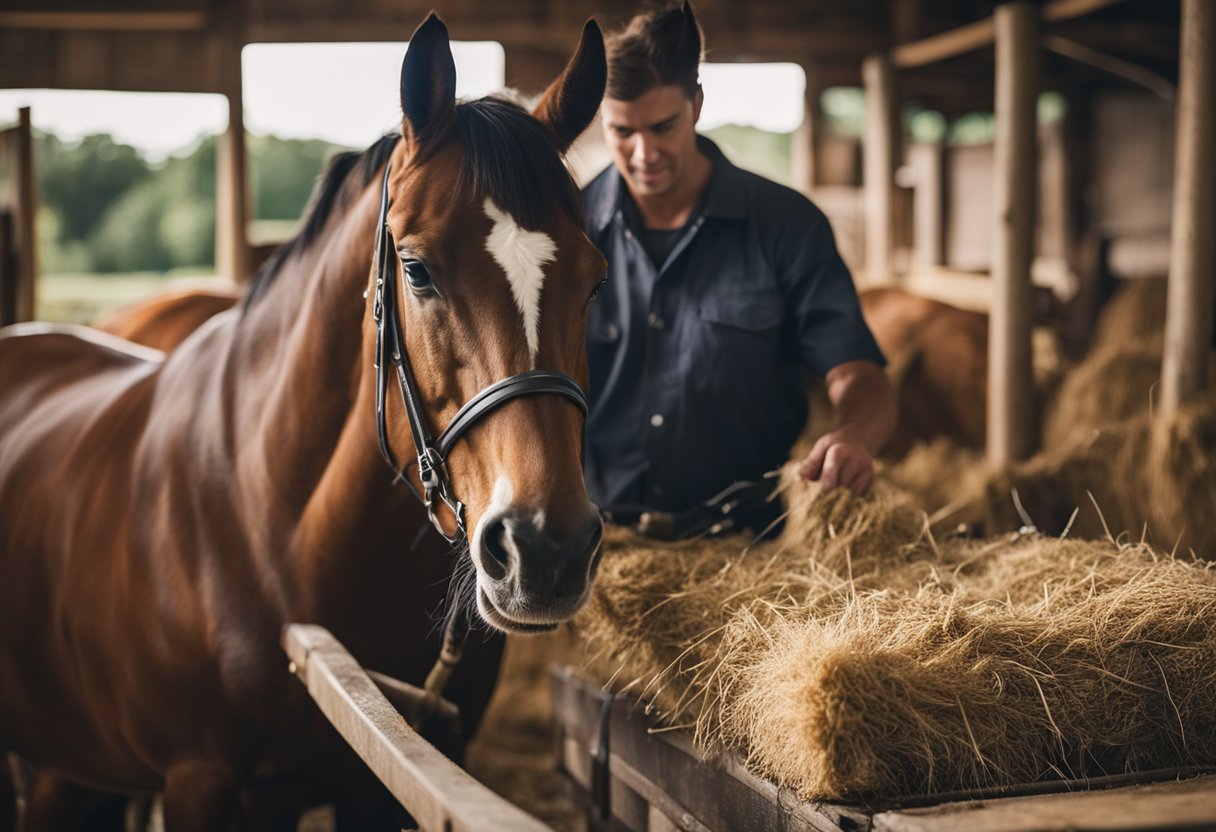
(432, 452)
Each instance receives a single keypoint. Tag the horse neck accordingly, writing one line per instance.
(306, 399)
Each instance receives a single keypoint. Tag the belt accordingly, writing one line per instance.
(719, 514)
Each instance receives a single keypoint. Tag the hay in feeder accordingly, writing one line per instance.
(859, 658)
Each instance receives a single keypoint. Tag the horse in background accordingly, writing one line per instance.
(164, 320)
(162, 516)
(939, 367)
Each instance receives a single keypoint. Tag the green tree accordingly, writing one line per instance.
(283, 172)
(80, 181)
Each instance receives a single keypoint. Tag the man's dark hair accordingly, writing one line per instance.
(656, 49)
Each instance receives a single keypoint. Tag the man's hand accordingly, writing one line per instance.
(865, 415)
(839, 458)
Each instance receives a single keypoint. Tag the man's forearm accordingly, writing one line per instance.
(864, 402)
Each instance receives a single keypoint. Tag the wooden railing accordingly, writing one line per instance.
(438, 793)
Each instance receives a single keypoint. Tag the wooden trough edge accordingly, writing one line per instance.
(438, 793)
(635, 776)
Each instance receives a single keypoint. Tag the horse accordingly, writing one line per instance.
(166, 319)
(939, 361)
(164, 515)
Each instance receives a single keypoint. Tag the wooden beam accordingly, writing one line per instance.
(1188, 324)
(1159, 86)
(982, 33)
(880, 148)
(26, 296)
(439, 794)
(106, 21)
(232, 252)
(1010, 370)
(928, 203)
(802, 151)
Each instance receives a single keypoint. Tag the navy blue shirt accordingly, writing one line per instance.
(699, 365)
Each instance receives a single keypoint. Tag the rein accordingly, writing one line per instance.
(433, 452)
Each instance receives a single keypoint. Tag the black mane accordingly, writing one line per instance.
(509, 157)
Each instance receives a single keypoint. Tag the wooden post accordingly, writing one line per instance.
(928, 204)
(882, 139)
(1188, 320)
(802, 153)
(26, 294)
(1010, 370)
(232, 255)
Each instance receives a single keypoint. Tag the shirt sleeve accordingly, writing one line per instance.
(820, 294)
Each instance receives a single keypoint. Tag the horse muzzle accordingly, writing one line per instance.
(534, 575)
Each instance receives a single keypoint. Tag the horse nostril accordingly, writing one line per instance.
(495, 558)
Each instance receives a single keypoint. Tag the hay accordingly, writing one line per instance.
(1115, 383)
(859, 658)
(1136, 311)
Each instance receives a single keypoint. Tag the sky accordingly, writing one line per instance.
(348, 94)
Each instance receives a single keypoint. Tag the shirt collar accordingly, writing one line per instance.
(725, 197)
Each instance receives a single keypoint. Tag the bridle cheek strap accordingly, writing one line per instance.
(432, 453)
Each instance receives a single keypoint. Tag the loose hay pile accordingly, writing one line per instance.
(859, 658)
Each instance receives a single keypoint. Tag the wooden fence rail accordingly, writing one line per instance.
(438, 793)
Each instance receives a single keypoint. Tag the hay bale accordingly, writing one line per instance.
(1112, 385)
(1136, 311)
(858, 657)
(1143, 478)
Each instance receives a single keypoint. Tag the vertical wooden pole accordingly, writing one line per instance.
(1010, 370)
(802, 156)
(881, 143)
(25, 298)
(928, 203)
(232, 256)
(1188, 320)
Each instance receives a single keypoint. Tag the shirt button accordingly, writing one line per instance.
(655, 321)
(656, 420)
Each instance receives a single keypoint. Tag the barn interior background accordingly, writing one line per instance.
(1019, 160)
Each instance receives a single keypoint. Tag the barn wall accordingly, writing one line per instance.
(1129, 190)
(969, 207)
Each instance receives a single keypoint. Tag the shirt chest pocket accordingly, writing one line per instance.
(736, 354)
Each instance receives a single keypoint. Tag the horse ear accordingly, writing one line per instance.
(689, 46)
(428, 79)
(570, 103)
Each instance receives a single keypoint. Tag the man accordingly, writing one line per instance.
(723, 290)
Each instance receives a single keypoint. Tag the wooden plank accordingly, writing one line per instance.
(982, 33)
(1188, 318)
(438, 793)
(8, 269)
(1186, 804)
(1155, 83)
(26, 214)
(1011, 372)
(105, 21)
(928, 203)
(881, 142)
(232, 254)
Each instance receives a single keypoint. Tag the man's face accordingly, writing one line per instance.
(653, 138)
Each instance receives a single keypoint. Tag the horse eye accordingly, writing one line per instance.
(596, 290)
(416, 274)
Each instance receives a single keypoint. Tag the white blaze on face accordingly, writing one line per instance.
(522, 255)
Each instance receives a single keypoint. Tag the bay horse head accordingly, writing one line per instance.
(483, 260)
